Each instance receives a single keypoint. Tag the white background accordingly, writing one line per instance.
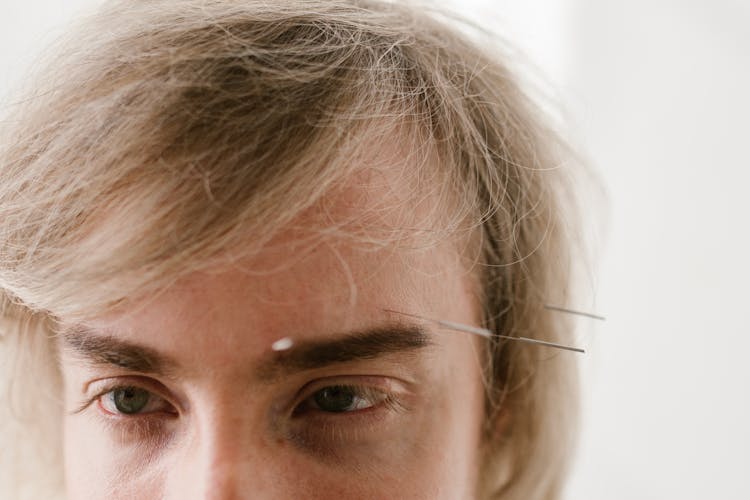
(658, 93)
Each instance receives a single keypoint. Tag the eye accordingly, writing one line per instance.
(336, 417)
(342, 398)
(131, 400)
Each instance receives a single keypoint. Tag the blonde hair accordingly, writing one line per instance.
(165, 132)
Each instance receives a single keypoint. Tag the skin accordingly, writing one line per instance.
(220, 425)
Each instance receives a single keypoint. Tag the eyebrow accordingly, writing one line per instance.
(357, 346)
(368, 344)
(104, 349)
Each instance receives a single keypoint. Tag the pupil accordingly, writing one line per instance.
(130, 399)
(334, 399)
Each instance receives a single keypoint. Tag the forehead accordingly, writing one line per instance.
(330, 289)
(370, 245)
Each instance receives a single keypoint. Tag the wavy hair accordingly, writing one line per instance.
(162, 132)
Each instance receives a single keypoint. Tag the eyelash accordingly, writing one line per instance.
(310, 426)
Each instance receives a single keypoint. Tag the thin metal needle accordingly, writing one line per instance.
(573, 311)
(544, 342)
(483, 332)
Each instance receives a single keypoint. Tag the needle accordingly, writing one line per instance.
(573, 311)
(483, 332)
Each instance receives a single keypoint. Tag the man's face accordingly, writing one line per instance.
(185, 395)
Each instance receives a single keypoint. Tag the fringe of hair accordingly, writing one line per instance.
(208, 121)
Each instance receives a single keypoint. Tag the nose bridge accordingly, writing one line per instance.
(224, 455)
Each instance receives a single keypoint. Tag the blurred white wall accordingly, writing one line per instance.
(27, 27)
(662, 93)
(659, 93)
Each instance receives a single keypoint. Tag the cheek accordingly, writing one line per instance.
(95, 469)
(431, 458)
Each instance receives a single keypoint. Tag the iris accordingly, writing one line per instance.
(130, 400)
(336, 399)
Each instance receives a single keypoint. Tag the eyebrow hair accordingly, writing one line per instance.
(101, 349)
(367, 344)
(356, 346)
